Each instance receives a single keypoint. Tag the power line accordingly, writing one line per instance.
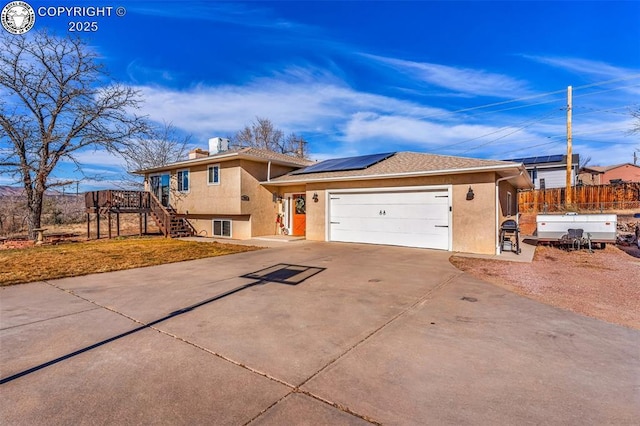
(535, 146)
(541, 95)
(607, 110)
(535, 121)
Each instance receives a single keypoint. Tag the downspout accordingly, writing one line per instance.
(269, 171)
(498, 207)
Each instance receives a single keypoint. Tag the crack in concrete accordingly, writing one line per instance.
(417, 303)
(293, 388)
(50, 318)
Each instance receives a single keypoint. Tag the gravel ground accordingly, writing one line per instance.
(604, 284)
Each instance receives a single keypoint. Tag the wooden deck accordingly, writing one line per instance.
(143, 203)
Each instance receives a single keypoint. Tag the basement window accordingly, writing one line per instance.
(221, 228)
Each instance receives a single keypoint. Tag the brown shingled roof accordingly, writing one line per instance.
(274, 156)
(258, 154)
(405, 163)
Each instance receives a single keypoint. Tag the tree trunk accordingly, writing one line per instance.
(35, 212)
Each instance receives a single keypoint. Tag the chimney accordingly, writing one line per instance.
(217, 145)
(198, 153)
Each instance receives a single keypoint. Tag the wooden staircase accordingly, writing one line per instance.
(171, 223)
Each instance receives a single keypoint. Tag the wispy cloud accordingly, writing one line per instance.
(321, 107)
(99, 158)
(298, 100)
(628, 79)
(242, 14)
(139, 73)
(456, 139)
(471, 82)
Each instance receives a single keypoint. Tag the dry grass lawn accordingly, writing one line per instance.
(81, 258)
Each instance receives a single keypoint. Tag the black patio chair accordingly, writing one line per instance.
(573, 239)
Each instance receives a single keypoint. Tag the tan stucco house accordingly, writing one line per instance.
(403, 198)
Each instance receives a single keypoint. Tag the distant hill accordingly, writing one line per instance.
(10, 191)
(16, 191)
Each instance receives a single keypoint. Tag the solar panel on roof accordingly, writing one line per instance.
(344, 164)
(540, 160)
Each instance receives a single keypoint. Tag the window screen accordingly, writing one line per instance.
(222, 228)
(183, 180)
(214, 174)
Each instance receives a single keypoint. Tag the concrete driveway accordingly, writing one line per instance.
(370, 334)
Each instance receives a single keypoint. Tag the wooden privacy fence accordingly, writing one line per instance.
(623, 196)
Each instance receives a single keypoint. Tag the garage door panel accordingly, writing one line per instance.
(399, 198)
(417, 211)
(408, 218)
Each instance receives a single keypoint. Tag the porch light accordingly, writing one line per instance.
(470, 194)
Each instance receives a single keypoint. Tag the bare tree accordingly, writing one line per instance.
(584, 162)
(636, 124)
(161, 146)
(55, 100)
(264, 135)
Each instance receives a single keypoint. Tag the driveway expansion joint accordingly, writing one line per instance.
(93, 302)
(51, 318)
(293, 388)
(419, 302)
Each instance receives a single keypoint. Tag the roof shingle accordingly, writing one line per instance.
(404, 162)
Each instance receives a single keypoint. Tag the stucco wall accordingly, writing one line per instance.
(252, 215)
(261, 205)
(240, 225)
(627, 172)
(203, 198)
(474, 228)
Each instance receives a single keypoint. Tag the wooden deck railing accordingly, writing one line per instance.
(117, 200)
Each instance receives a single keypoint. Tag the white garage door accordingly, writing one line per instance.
(403, 218)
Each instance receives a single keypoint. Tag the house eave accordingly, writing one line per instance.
(524, 180)
(215, 159)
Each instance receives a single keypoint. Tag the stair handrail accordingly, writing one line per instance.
(164, 217)
(185, 219)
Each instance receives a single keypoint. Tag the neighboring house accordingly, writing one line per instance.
(603, 175)
(550, 171)
(405, 198)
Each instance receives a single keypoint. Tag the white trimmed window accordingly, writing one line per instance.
(213, 173)
(183, 180)
(221, 228)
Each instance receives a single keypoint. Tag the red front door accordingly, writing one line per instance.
(299, 213)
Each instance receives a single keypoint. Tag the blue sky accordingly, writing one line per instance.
(478, 79)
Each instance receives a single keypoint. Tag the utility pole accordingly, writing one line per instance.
(567, 192)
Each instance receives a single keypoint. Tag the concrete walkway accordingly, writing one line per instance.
(339, 334)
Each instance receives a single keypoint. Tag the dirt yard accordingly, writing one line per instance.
(604, 284)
